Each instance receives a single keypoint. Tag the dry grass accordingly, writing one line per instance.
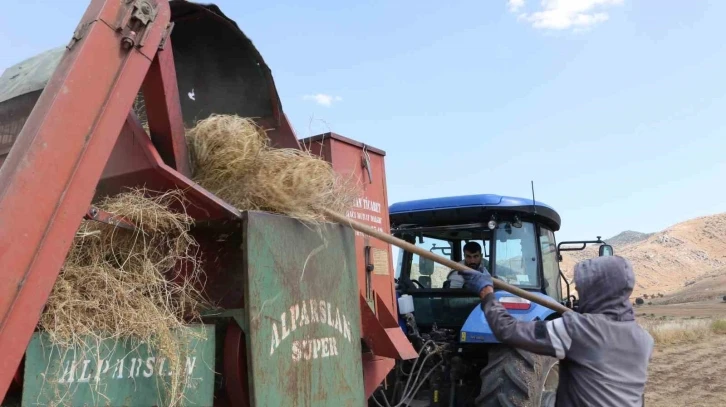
(232, 158)
(718, 326)
(679, 331)
(674, 332)
(690, 374)
(126, 285)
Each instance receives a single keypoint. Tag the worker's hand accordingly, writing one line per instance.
(476, 281)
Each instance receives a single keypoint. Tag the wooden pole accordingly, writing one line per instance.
(441, 260)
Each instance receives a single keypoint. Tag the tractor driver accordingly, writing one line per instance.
(473, 259)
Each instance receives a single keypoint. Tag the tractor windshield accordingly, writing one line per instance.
(507, 252)
(516, 255)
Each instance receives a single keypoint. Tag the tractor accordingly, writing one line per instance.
(468, 365)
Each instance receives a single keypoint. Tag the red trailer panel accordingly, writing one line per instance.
(379, 307)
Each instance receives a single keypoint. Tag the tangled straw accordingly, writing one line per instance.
(231, 157)
(122, 285)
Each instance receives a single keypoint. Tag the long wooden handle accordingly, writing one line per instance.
(440, 259)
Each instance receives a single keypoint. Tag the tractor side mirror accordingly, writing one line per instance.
(425, 266)
(606, 250)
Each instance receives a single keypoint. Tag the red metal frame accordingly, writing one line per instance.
(161, 100)
(235, 366)
(48, 179)
(135, 162)
(375, 369)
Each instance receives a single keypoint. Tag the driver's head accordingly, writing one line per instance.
(472, 255)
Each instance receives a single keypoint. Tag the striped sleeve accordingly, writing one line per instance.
(528, 335)
(561, 340)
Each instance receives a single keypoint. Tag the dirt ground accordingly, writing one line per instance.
(690, 375)
(713, 308)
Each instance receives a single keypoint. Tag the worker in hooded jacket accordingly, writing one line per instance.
(603, 352)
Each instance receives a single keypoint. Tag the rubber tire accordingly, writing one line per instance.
(515, 378)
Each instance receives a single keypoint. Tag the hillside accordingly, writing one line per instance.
(709, 287)
(628, 237)
(665, 261)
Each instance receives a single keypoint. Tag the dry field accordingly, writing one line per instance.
(688, 366)
(700, 309)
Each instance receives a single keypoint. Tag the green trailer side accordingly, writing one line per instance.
(300, 318)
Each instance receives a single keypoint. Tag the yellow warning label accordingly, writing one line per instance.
(463, 336)
(380, 261)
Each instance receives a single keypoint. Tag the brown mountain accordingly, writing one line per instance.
(664, 262)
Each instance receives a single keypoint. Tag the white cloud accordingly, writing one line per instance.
(565, 14)
(323, 99)
(515, 5)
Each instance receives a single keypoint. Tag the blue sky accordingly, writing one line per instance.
(615, 108)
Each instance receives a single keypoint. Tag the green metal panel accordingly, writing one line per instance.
(116, 373)
(303, 314)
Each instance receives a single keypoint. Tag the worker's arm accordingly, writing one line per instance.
(542, 337)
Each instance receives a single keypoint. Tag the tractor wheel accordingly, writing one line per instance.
(514, 377)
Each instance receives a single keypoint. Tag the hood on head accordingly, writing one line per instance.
(605, 285)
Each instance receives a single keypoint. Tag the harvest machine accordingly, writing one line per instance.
(71, 133)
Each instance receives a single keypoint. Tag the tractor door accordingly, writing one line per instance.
(550, 266)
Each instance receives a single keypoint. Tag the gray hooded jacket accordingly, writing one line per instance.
(603, 352)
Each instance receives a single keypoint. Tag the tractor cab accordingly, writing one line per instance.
(514, 240)
(510, 237)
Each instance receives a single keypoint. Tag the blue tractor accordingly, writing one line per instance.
(461, 362)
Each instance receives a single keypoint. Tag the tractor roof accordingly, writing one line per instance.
(465, 209)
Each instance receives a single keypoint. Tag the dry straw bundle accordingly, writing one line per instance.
(121, 284)
(231, 157)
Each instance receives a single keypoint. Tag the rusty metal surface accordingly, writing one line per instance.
(222, 71)
(386, 342)
(48, 179)
(378, 306)
(134, 162)
(303, 347)
(98, 215)
(348, 157)
(166, 125)
(375, 370)
(121, 373)
(235, 366)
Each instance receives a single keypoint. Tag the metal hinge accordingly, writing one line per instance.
(98, 215)
(369, 283)
(135, 22)
(366, 163)
(79, 33)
